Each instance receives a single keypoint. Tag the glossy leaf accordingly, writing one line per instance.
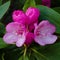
(29, 3)
(2, 29)
(51, 15)
(2, 44)
(0, 2)
(41, 56)
(20, 58)
(57, 9)
(23, 58)
(38, 57)
(52, 52)
(13, 53)
(26, 58)
(4, 8)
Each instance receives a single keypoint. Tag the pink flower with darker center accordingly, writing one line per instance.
(15, 33)
(19, 31)
(24, 29)
(44, 33)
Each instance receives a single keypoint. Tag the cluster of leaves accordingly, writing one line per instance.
(33, 52)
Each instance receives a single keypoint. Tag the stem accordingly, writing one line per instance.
(25, 50)
(3, 56)
(30, 53)
(39, 53)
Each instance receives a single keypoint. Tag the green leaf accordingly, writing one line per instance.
(23, 58)
(51, 15)
(57, 9)
(36, 53)
(2, 29)
(29, 3)
(52, 52)
(13, 52)
(20, 58)
(26, 58)
(2, 44)
(4, 8)
(0, 2)
(38, 57)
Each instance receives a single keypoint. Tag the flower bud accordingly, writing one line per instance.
(19, 16)
(29, 38)
(33, 14)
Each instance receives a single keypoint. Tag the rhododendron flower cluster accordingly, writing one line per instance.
(25, 29)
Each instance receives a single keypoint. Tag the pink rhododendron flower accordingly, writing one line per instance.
(44, 33)
(33, 14)
(16, 33)
(19, 16)
(20, 19)
(24, 29)
(46, 3)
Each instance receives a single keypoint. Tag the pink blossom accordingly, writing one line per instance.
(19, 16)
(16, 33)
(44, 33)
(46, 3)
(33, 14)
(28, 18)
(24, 29)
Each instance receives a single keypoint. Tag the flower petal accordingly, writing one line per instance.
(43, 40)
(10, 38)
(45, 28)
(50, 39)
(21, 40)
(39, 40)
(14, 27)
